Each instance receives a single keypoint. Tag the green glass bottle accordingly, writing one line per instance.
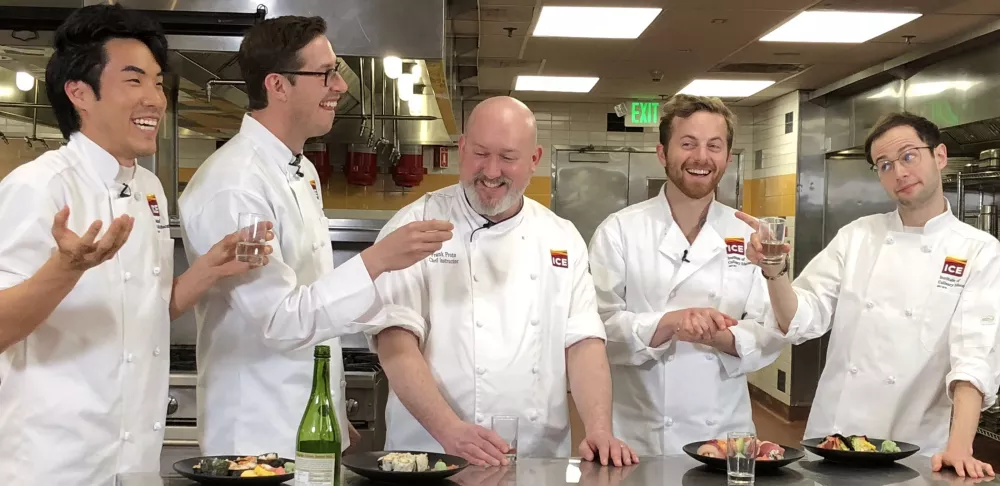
(318, 442)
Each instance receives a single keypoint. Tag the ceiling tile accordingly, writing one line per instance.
(934, 28)
(982, 7)
(500, 46)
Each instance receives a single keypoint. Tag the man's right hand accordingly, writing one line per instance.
(407, 245)
(81, 253)
(754, 248)
(478, 445)
(696, 324)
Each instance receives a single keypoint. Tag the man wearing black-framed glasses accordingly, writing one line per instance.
(260, 331)
(911, 301)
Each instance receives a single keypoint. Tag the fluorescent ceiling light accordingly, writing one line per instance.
(594, 22)
(565, 84)
(938, 87)
(837, 26)
(725, 88)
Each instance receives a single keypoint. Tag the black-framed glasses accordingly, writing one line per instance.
(907, 158)
(331, 73)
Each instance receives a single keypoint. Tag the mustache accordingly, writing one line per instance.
(482, 178)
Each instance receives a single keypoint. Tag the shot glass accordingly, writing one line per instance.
(741, 458)
(437, 206)
(252, 238)
(772, 238)
(506, 427)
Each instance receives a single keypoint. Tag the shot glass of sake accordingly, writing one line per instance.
(506, 427)
(772, 238)
(252, 241)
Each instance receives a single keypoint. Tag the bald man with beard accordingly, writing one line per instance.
(493, 323)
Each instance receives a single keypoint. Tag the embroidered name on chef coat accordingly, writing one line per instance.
(153, 206)
(736, 252)
(560, 258)
(443, 257)
(952, 273)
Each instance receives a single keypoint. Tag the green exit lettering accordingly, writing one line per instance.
(644, 113)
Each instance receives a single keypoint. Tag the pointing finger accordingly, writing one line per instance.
(749, 220)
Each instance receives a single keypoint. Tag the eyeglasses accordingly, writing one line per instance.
(908, 158)
(327, 75)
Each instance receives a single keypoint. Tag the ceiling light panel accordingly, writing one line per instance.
(838, 26)
(594, 22)
(725, 88)
(563, 84)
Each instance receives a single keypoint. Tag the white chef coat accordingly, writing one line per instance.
(494, 311)
(679, 392)
(907, 321)
(84, 396)
(256, 333)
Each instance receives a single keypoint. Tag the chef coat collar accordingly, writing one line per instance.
(479, 221)
(711, 219)
(107, 168)
(276, 150)
(934, 225)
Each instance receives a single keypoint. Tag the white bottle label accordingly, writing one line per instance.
(315, 469)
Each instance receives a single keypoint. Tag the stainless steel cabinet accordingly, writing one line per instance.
(591, 183)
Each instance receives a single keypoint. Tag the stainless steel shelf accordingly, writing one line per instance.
(973, 178)
(989, 435)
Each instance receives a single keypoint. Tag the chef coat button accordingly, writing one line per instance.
(126, 436)
(533, 415)
(668, 422)
(854, 370)
(316, 246)
(670, 358)
(534, 369)
(479, 418)
(129, 358)
(925, 249)
(709, 357)
(156, 270)
(479, 323)
(673, 293)
(157, 426)
(909, 313)
(128, 276)
(889, 241)
(475, 278)
(534, 322)
(156, 351)
(711, 294)
(869, 304)
(891, 380)
(343, 383)
(480, 370)
(710, 422)
(534, 276)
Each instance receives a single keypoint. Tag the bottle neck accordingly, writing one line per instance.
(321, 376)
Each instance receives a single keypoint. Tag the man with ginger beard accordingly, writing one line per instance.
(679, 299)
(492, 324)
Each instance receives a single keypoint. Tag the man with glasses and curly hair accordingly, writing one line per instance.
(256, 335)
(911, 300)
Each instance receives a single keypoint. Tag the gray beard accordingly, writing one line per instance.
(510, 200)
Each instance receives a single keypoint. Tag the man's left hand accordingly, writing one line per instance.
(964, 464)
(602, 445)
(221, 258)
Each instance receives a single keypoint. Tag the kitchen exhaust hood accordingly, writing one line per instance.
(955, 84)
(204, 36)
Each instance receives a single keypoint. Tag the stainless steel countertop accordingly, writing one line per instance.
(341, 230)
(672, 470)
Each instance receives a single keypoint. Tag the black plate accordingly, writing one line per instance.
(861, 458)
(791, 455)
(366, 464)
(186, 468)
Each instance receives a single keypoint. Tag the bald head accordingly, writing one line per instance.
(504, 111)
(499, 153)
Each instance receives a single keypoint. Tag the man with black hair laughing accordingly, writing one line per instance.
(83, 376)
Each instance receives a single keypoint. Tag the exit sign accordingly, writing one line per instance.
(643, 114)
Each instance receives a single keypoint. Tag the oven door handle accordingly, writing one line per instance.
(180, 443)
